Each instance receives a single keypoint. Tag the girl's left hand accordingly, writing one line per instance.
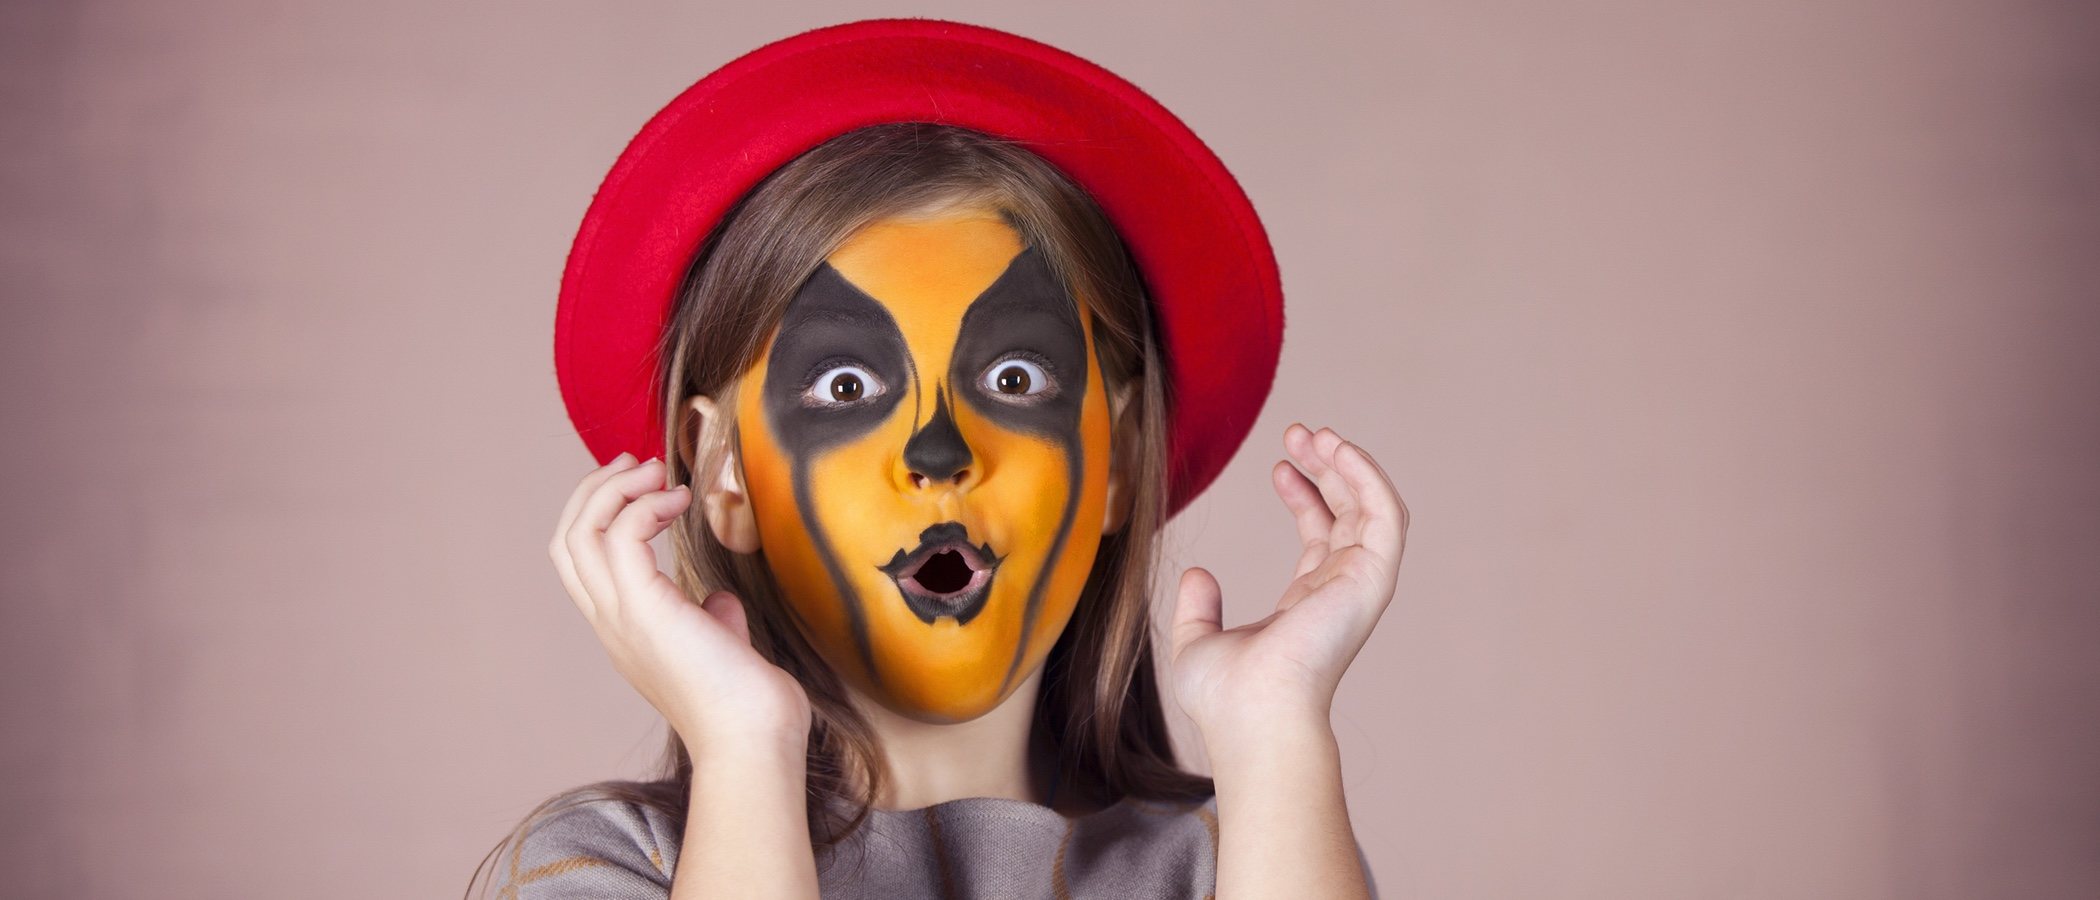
(1283, 669)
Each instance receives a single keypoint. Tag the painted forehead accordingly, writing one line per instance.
(942, 263)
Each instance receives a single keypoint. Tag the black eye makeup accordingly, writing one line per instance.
(839, 365)
(1021, 356)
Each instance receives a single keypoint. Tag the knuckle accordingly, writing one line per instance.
(628, 519)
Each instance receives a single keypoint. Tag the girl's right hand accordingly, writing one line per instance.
(692, 661)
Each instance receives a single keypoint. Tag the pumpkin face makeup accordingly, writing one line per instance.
(925, 444)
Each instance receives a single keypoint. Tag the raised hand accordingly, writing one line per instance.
(692, 661)
(1352, 527)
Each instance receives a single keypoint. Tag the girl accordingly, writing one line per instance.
(921, 443)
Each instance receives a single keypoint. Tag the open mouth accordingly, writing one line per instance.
(944, 575)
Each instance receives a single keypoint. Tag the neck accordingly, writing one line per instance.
(989, 756)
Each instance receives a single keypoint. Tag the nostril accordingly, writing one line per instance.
(961, 475)
(918, 480)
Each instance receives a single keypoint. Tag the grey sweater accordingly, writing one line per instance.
(969, 848)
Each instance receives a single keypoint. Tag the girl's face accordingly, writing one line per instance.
(927, 455)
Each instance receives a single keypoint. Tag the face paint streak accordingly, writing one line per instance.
(848, 597)
(736, 440)
(911, 364)
(1077, 467)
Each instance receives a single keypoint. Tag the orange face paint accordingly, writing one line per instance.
(926, 444)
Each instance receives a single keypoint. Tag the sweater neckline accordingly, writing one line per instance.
(1003, 807)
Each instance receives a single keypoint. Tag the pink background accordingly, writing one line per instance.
(1736, 363)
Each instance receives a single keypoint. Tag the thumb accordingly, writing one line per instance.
(1198, 608)
(729, 611)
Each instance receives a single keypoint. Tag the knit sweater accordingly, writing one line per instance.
(968, 848)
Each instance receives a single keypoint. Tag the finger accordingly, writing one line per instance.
(558, 547)
(590, 483)
(1324, 443)
(1383, 525)
(1199, 607)
(1391, 487)
(1308, 510)
(1298, 442)
(586, 537)
(627, 552)
(1315, 455)
(1313, 451)
(729, 611)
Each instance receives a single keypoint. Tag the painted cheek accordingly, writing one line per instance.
(1068, 575)
(858, 501)
(790, 553)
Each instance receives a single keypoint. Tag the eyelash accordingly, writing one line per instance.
(1041, 362)
(809, 382)
(809, 378)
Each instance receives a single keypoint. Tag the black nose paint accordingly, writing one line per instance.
(938, 451)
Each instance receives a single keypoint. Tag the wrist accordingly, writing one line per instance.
(1254, 739)
(739, 780)
(768, 749)
(747, 828)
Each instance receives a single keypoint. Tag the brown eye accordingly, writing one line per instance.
(1016, 379)
(845, 388)
(842, 385)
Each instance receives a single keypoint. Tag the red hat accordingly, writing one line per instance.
(1207, 265)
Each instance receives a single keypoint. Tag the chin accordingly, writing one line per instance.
(944, 710)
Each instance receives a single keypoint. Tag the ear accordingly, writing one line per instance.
(1122, 420)
(723, 499)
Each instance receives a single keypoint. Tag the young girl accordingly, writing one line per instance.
(923, 433)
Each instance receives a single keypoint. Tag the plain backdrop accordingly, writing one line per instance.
(1735, 360)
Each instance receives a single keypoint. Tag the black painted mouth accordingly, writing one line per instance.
(944, 575)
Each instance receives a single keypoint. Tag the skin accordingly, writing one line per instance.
(1259, 693)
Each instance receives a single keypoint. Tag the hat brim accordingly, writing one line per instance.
(1206, 262)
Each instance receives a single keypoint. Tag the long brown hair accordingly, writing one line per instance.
(1099, 704)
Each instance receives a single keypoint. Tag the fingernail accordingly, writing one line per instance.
(623, 457)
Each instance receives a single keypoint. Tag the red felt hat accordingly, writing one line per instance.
(1198, 245)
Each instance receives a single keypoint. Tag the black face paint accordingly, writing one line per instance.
(1027, 313)
(830, 322)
